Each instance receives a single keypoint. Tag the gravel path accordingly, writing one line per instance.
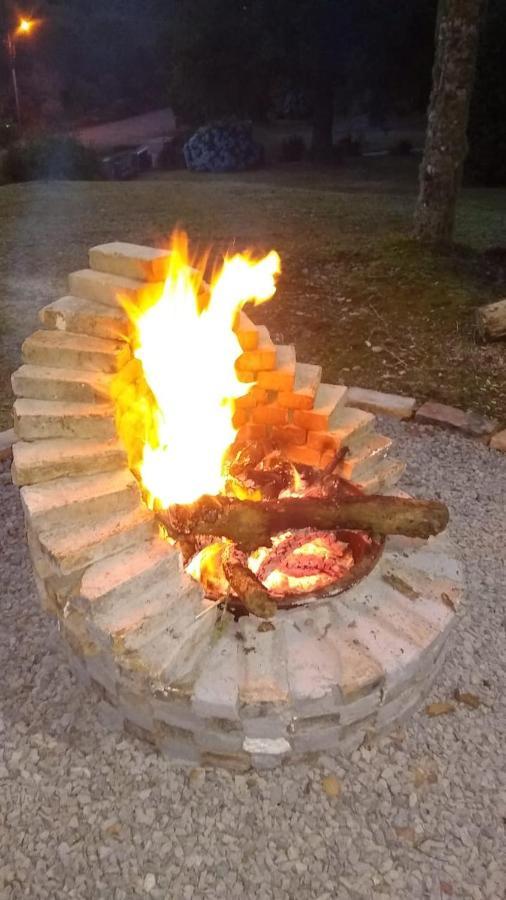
(89, 815)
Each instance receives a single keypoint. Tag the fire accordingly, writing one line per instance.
(182, 402)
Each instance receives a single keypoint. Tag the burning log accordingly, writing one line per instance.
(246, 585)
(251, 524)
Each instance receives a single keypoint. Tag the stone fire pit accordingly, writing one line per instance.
(164, 662)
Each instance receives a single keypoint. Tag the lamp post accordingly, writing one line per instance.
(22, 29)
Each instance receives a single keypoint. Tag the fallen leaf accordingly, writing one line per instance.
(405, 834)
(439, 709)
(112, 828)
(266, 626)
(446, 888)
(447, 600)
(469, 699)
(197, 776)
(424, 776)
(331, 785)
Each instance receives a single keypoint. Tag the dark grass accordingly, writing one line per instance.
(356, 295)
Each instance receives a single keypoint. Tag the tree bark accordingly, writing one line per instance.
(448, 113)
(250, 525)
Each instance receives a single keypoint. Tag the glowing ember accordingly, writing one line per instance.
(301, 561)
(188, 351)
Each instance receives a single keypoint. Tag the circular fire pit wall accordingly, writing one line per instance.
(164, 662)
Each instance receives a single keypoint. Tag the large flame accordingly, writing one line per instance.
(185, 342)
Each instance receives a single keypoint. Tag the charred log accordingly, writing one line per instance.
(246, 585)
(249, 524)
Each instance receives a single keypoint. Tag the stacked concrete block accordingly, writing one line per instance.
(165, 664)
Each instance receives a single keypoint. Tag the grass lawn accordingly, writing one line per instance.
(356, 295)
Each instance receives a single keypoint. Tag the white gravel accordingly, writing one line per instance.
(87, 814)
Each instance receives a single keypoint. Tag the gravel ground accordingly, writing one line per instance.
(87, 814)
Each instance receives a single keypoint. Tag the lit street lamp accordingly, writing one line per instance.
(22, 29)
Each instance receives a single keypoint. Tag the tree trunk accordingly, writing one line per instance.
(445, 142)
(323, 121)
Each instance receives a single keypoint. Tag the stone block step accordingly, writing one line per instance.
(69, 551)
(263, 677)
(170, 611)
(305, 387)
(246, 331)
(359, 670)
(363, 462)
(69, 502)
(288, 435)
(270, 414)
(328, 398)
(7, 440)
(386, 473)
(47, 460)
(254, 397)
(47, 383)
(110, 290)
(177, 650)
(312, 667)
(39, 419)
(263, 357)
(86, 317)
(119, 586)
(347, 427)
(65, 350)
(304, 455)
(378, 402)
(282, 377)
(130, 261)
(216, 689)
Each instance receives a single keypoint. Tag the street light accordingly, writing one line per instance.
(23, 29)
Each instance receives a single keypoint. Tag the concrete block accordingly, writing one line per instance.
(63, 350)
(305, 386)
(263, 357)
(75, 385)
(46, 460)
(68, 502)
(328, 398)
(86, 317)
(69, 551)
(378, 402)
(216, 690)
(130, 261)
(7, 440)
(282, 376)
(110, 290)
(40, 419)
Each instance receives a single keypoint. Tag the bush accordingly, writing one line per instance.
(292, 149)
(223, 147)
(50, 158)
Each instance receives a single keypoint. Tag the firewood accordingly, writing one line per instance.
(250, 524)
(246, 585)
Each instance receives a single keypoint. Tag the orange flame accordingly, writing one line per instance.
(188, 351)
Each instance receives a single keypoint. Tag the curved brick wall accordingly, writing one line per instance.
(136, 626)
